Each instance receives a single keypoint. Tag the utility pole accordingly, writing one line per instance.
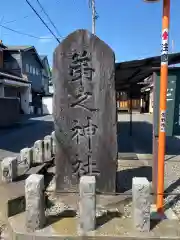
(95, 16)
(162, 105)
(163, 92)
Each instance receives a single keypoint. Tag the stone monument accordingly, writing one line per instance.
(84, 109)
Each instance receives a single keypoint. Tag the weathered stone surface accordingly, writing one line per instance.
(9, 169)
(47, 148)
(35, 206)
(87, 204)
(26, 158)
(84, 109)
(141, 204)
(38, 152)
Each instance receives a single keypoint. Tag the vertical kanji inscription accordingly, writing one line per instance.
(81, 72)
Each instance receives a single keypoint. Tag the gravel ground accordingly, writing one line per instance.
(126, 173)
(172, 183)
(56, 207)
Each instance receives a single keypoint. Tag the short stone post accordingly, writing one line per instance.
(26, 157)
(47, 148)
(35, 206)
(87, 204)
(53, 143)
(38, 152)
(9, 169)
(141, 204)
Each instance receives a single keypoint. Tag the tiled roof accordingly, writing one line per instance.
(25, 48)
(131, 72)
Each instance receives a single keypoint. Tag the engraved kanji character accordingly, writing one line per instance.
(90, 128)
(78, 132)
(79, 102)
(91, 165)
(80, 69)
(78, 167)
(80, 72)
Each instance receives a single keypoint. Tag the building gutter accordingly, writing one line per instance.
(14, 77)
(14, 83)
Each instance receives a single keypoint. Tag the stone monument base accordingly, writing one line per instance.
(109, 227)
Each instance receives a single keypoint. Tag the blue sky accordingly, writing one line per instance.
(131, 27)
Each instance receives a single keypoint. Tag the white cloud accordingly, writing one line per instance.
(45, 39)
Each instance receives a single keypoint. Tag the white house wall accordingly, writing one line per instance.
(47, 105)
(51, 89)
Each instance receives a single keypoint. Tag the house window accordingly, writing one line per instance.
(30, 69)
(37, 71)
(27, 67)
(34, 71)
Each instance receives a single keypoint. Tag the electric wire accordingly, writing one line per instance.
(34, 10)
(22, 33)
(43, 10)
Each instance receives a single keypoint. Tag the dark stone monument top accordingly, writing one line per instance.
(84, 109)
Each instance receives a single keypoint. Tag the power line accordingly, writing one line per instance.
(43, 10)
(22, 33)
(42, 20)
(1, 21)
(15, 20)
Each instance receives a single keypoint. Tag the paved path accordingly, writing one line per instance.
(141, 141)
(130, 147)
(24, 135)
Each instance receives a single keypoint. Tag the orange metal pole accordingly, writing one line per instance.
(162, 113)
